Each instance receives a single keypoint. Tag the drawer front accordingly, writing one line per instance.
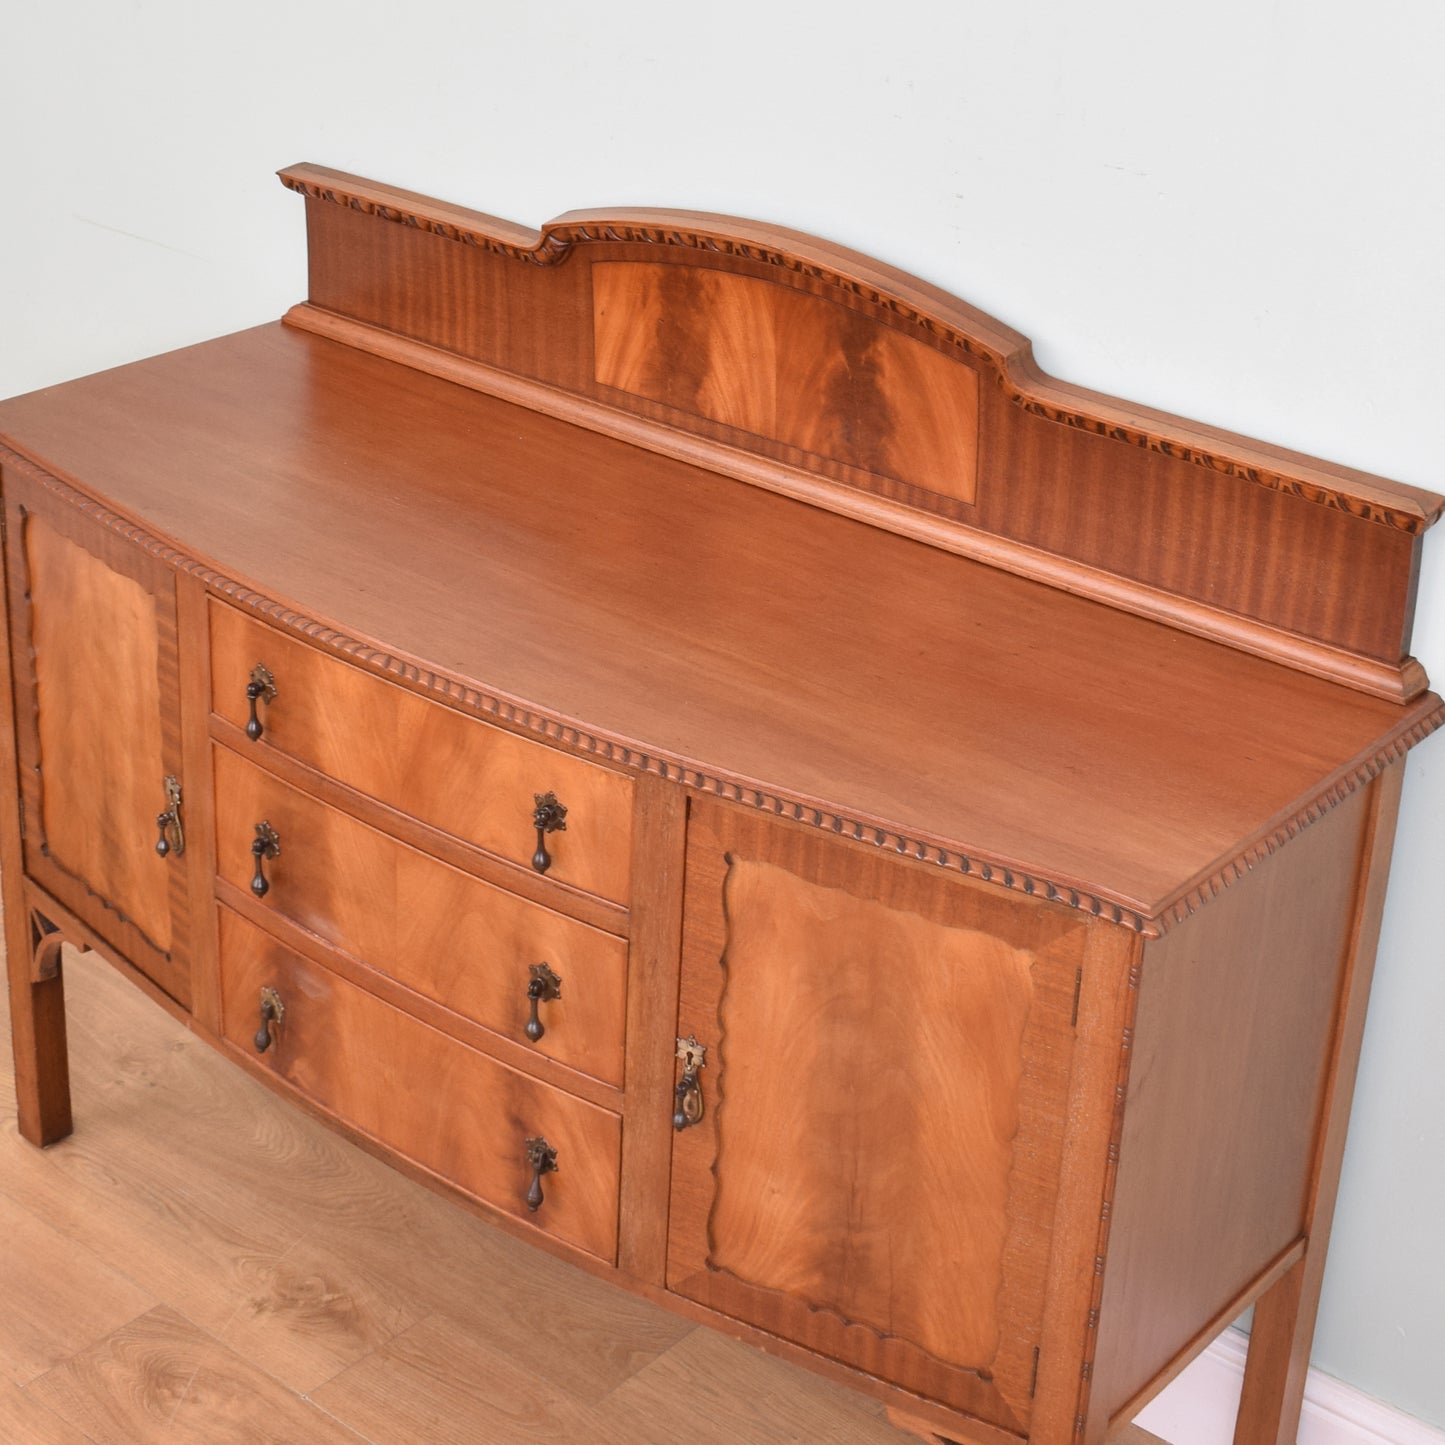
(454, 1111)
(464, 943)
(451, 771)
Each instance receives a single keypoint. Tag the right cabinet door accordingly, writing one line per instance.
(875, 1170)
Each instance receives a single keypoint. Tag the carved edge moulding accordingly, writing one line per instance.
(1236, 540)
(1406, 508)
(524, 717)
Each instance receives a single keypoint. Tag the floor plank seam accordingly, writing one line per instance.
(425, 1325)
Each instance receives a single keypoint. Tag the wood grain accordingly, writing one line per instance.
(160, 1380)
(464, 943)
(41, 1078)
(437, 765)
(717, 1391)
(1398, 680)
(500, 1337)
(1284, 1319)
(540, 1354)
(521, 879)
(782, 366)
(1242, 526)
(836, 1130)
(59, 1298)
(1236, 1010)
(454, 1111)
(93, 640)
(455, 1390)
(1105, 1011)
(777, 670)
(962, 1144)
(838, 1100)
(655, 945)
(193, 687)
(94, 637)
(289, 1245)
(25, 1419)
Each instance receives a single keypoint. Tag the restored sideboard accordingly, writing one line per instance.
(683, 738)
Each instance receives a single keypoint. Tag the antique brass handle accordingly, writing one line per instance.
(687, 1109)
(267, 844)
(544, 985)
(272, 1012)
(543, 1160)
(172, 838)
(549, 816)
(262, 685)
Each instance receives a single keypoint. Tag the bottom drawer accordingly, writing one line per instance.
(456, 1112)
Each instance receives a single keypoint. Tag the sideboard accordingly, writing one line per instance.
(683, 738)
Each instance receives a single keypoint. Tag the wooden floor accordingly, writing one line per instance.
(200, 1262)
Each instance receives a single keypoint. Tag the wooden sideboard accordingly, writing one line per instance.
(683, 738)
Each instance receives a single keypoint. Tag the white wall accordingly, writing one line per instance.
(1230, 210)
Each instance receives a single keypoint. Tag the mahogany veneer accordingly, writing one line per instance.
(949, 967)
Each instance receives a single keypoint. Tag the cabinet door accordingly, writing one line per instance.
(875, 1171)
(93, 621)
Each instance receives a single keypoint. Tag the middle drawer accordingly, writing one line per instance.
(466, 944)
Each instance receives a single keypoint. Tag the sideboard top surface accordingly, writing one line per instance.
(648, 610)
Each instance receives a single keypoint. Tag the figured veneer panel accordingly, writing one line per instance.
(809, 1198)
(430, 762)
(456, 1112)
(1252, 530)
(791, 368)
(462, 942)
(94, 638)
(877, 1166)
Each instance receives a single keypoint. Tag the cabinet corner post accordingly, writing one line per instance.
(1284, 1317)
(37, 1005)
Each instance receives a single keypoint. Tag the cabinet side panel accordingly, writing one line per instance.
(1231, 1048)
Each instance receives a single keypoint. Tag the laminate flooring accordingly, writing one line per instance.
(203, 1264)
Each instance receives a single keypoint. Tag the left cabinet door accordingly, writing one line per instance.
(94, 649)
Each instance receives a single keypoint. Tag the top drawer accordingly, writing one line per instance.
(439, 766)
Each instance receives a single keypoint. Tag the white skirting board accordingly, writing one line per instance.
(1199, 1407)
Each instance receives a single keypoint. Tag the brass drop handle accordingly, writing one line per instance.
(262, 685)
(549, 816)
(172, 838)
(544, 985)
(687, 1108)
(267, 844)
(542, 1158)
(272, 1012)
